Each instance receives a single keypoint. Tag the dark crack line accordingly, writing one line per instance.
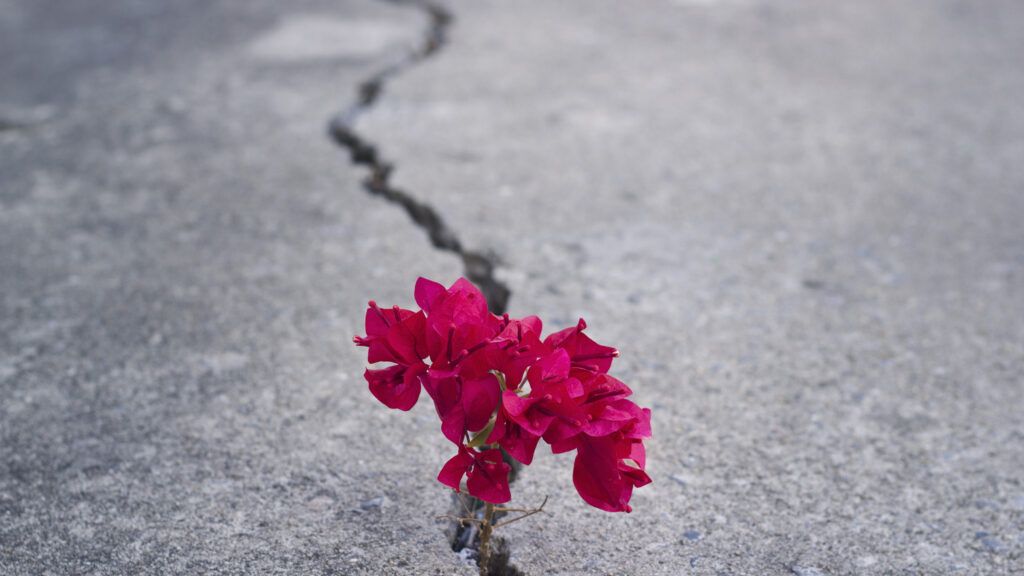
(477, 266)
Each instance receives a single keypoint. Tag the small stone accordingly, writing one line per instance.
(691, 535)
(806, 571)
(993, 545)
(983, 503)
(866, 561)
(374, 503)
(655, 546)
(467, 556)
(679, 479)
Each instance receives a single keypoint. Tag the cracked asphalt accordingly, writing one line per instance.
(800, 222)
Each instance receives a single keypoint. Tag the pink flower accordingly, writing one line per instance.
(397, 336)
(552, 397)
(607, 469)
(516, 348)
(496, 383)
(463, 405)
(584, 352)
(458, 324)
(486, 474)
(513, 438)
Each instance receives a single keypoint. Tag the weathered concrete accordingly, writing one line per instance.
(798, 221)
(185, 259)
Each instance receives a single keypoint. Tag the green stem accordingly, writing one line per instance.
(486, 527)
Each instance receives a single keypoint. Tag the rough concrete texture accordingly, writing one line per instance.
(799, 221)
(185, 259)
(801, 224)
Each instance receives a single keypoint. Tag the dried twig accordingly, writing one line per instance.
(527, 514)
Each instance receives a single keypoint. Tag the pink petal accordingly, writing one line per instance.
(376, 323)
(637, 453)
(641, 427)
(531, 323)
(597, 477)
(519, 443)
(407, 339)
(446, 392)
(608, 418)
(552, 368)
(516, 441)
(585, 353)
(479, 400)
(500, 428)
(393, 388)
(573, 388)
(427, 293)
(522, 411)
(488, 479)
(563, 446)
(453, 425)
(604, 387)
(560, 431)
(455, 468)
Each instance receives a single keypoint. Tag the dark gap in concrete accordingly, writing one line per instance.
(465, 538)
(478, 267)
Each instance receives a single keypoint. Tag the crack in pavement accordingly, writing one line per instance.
(477, 266)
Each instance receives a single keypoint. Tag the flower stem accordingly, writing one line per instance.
(486, 527)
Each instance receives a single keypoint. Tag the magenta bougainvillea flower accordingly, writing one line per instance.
(496, 383)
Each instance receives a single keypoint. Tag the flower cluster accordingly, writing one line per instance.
(496, 383)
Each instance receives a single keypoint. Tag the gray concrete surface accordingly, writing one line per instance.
(185, 259)
(799, 222)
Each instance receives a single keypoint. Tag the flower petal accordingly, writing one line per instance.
(488, 478)
(427, 293)
(519, 443)
(585, 353)
(552, 368)
(522, 412)
(446, 392)
(479, 400)
(455, 468)
(597, 477)
(396, 387)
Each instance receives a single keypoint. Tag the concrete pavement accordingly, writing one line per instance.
(799, 222)
(185, 259)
